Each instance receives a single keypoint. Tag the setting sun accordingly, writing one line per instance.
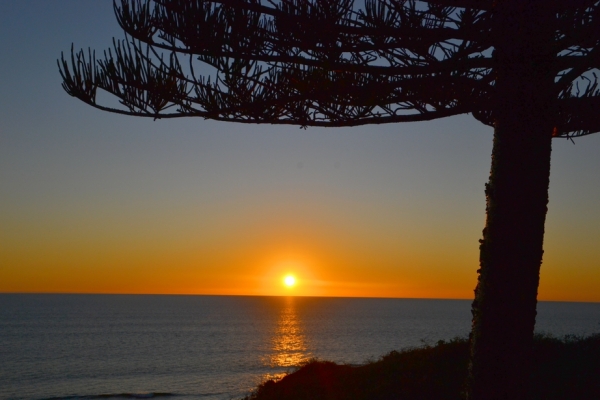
(289, 281)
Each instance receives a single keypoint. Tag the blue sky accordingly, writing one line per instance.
(86, 194)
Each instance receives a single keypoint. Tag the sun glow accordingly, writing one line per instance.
(289, 281)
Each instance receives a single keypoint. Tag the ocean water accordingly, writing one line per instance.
(215, 347)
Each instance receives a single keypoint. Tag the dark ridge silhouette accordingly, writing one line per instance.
(562, 369)
(526, 67)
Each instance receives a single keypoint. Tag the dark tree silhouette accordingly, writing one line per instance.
(525, 67)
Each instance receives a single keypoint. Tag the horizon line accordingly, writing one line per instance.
(265, 295)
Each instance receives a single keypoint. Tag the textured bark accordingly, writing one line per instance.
(511, 251)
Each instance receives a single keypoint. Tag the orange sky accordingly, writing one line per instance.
(369, 228)
(362, 251)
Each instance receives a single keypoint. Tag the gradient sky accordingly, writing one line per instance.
(92, 202)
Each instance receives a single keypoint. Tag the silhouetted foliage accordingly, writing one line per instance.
(526, 67)
(326, 62)
(563, 369)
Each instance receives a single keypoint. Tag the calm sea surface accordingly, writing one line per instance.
(215, 347)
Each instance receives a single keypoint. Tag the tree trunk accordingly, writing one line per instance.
(511, 251)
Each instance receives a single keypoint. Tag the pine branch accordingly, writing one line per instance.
(325, 63)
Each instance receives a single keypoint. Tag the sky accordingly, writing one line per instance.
(93, 202)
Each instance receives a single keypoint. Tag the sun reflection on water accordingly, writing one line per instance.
(288, 343)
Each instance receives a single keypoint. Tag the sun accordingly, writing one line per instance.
(289, 281)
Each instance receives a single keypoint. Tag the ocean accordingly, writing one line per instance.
(66, 346)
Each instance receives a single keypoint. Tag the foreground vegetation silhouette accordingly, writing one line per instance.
(562, 369)
(526, 67)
